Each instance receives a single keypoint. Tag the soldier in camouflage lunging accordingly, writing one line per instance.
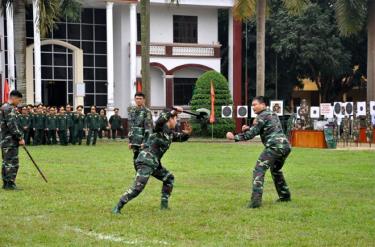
(140, 125)
(11, 139)
(277, 149)
(148, 162)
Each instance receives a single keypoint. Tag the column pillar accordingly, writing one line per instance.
(37, 56)
(10, 42)
(237, 69)
(133, 49)
(110, 69)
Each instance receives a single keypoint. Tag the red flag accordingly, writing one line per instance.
(6, 91)
(212, 115)
(139, 86)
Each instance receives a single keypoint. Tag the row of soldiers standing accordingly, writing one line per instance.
(44, 124)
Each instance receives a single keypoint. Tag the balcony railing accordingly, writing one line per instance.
(182, 50)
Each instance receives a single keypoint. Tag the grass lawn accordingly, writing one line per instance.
(333, 196)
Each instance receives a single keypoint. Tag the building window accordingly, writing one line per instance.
(183, 90)
(185, 29)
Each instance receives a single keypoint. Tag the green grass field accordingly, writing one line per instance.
(333, 196)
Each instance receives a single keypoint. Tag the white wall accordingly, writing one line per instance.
(2, 53)
(213, 3)
(157, 87)
(188, 73)
(171, 63)
(121, 41)
(161, 19)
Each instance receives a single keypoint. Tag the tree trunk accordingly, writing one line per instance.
(371, 51)
(145, 41)
(20, 44)
(261, 33)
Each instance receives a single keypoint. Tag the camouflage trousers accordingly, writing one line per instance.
(143, 174)
(273, 160)
(10, 164)
(136, 151)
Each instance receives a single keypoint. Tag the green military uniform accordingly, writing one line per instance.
(103, 126)
(70, 126)
(10, 136)
(79, 125)
(277, 149)
(116, 126)
(345, 130)
(24, 123)
(38, 123)
(369, 127)
(31, 132)
(148, 162)
(93, 125)
(140, 127)
(62, 126)
(51, 126)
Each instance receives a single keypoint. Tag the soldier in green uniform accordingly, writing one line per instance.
(148, 162)
(103, 124)
(11, 138)
(38, 123)
(140, 125)
(24, 121)
(70, 124)
(79, 125)
(30, 109)
(51, 126)
(277, 149)
(62, 126)
(115, 123)
(93, 126)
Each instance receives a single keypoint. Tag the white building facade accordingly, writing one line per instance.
(97, 61)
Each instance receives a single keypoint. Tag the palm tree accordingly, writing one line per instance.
(50, 12)
(351, 16)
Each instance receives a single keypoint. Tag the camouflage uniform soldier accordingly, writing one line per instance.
(24, 121)
(93, 125)
(11, 138)
(140, 125)
(277, 149)
(39, 126)
(345, 130)
(69, 122)
(62, 126)
(148, 162)
(103, 124)
(51, 126)
(79, 125)
(369, 127)
(115, 123)
(356, 125)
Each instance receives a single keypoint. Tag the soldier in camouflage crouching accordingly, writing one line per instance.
(11, 139)
(277, 149)
(148, 162)
(140, 125)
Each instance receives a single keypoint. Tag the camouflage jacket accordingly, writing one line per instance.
(140, 125)
(268, 126)
(158, 142)
(92, 121)
(79, 121)
(10, 131)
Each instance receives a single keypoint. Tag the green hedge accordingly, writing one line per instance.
(202, 99)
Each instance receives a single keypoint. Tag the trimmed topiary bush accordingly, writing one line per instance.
(202, 99)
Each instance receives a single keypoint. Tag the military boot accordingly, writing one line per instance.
(118, 207)
(164, 204)
(286, 199)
